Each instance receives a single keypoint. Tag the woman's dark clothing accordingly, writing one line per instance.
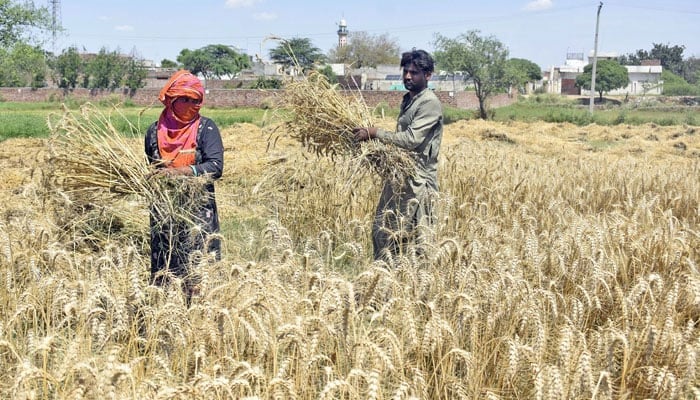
(172, 241)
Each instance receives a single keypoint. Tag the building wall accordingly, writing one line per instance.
(238, 97)
(643, 80)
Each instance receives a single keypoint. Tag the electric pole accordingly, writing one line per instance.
(595, 60)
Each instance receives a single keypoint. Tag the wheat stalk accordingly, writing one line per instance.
(322, 120)
(96, 166)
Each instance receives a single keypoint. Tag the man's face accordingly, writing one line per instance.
(414, 79)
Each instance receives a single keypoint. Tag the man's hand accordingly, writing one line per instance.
(362, 134)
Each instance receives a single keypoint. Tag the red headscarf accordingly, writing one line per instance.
(179, 121)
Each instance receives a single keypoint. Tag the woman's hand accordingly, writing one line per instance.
(172, 172)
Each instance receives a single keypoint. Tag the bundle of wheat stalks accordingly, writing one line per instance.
(94, 166)
(323, 119)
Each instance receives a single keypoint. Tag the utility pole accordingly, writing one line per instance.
(595, 60)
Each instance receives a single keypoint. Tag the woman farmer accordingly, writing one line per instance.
(180, 145)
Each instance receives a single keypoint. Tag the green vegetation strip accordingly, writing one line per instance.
(29, 120)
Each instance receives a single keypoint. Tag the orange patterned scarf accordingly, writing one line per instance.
(179, 121)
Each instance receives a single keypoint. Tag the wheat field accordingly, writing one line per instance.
(564, 265)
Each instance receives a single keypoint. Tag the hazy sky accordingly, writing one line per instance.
(543, 31)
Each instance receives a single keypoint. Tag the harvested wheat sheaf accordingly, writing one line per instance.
(93, 165)
(323, 119)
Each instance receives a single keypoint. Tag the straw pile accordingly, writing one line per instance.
(100, 179)
(323, 119)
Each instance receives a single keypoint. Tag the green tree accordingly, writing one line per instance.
(213, 61)
(330, 75)
(610, 75)
(365, 50)
(68, 66)
(520, 71)
(691, 70)
(18, 19)
(297, 52)
(22, 61)
(31, 64)
(165, 63)
(671, 57)
(195, 61)
(23, 65)
(481, 58)
(134, 72)
(104, 71)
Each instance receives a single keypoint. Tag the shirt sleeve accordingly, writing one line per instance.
(423, 117)
(150, 144)
(212, 149)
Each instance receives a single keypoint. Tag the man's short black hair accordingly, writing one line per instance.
(420, 58)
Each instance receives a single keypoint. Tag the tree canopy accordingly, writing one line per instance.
(297, 52)
(481, 58)
(165, 63)
(134, 71)
(67, 67)
(213, 61)
(671, 57)
(104, 71)
(691, 70)
(23, 65)
(610, 75)
(520, 71)
(365, 50)
(18, 19)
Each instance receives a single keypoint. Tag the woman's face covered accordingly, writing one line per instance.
(186, 109)
(183, 95)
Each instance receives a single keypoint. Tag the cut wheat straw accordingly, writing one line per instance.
(94, 166)
(323, 119)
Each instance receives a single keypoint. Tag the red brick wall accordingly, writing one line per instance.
(237, 97)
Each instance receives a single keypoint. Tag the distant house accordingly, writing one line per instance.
(644, 79)
(562, 79)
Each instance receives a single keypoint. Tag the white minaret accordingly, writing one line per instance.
(342, 33)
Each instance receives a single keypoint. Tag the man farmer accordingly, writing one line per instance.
(418, 129)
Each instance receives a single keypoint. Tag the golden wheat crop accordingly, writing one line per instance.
(557, 270)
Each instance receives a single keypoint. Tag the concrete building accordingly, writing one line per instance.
(643, 79)
(562, 79)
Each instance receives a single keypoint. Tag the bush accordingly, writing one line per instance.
(548, 98)
(681, 89)
(266, 83)
(675, 85)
